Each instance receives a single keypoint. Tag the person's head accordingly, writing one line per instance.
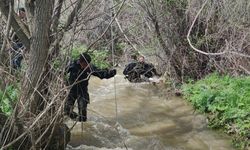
(141, 59)
(84, 59)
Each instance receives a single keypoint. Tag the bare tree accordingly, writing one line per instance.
(41, 38)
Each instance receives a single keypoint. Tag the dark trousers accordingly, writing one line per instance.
(82, 98)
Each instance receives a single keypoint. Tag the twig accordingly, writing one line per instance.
(93, 44)
(243, 68)
(126, 37)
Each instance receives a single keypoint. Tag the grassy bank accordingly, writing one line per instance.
(226, 101)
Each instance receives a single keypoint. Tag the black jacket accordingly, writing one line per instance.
(17, 55)
(79, 78)
(145, 69)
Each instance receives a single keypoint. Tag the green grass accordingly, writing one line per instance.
(226, 100)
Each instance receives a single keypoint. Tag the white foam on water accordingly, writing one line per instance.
(85, 147)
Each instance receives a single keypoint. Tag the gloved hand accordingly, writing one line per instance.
(112, 72)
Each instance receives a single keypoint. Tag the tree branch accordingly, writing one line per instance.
(56, 16)
(21, 31)
(92, 44)
(30, 10)
(190, 29)
(7, 32)
(73, 14)
(126, 37)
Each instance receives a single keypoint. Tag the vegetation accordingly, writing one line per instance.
(219, 39)
(8, 98)
(99, 57)
(226, 101)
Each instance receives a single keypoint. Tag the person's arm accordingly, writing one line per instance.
(150, 70)
(72, 71)
(128, 68)
(153, 70)
(69, 67)
(103, 73)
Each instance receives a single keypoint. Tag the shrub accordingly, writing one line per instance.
(99, 57)
(8, 98)
(227, 101)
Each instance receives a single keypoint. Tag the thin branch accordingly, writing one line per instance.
(56, 16)
(93, 44)
(243, 68)
(73, 14)
(7, 30)
(126, 37)
(190, 29)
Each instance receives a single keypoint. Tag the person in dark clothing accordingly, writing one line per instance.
(17, 55)
(139, 71)
(79, 73)
(17, 47)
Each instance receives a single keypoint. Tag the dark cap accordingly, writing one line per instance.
(84, 57)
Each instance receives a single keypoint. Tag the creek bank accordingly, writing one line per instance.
(226, 102)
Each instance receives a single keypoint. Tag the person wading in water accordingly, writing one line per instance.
(79, 73)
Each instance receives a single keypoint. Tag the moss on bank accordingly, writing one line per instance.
(226, 101)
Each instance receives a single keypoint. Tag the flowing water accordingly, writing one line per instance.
(146, 119)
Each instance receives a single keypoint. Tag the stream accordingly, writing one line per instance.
(146, 119)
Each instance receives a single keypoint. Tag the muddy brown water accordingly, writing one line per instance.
(146, 119)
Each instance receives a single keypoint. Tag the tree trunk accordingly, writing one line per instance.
(159, 37)
(33, 122)
(40, 43)
(38, 53)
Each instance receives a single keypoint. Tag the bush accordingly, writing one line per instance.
(8, 98)
(99, 57)
(226, 100)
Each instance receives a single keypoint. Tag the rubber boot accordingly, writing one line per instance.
(82, 107)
